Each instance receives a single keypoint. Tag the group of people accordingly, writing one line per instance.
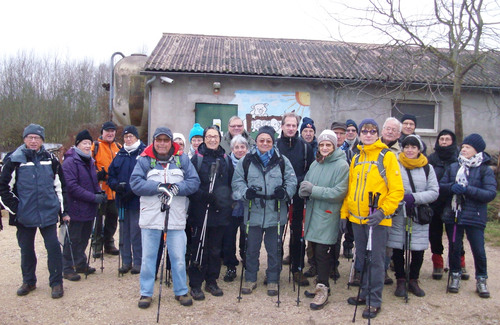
(376, 187)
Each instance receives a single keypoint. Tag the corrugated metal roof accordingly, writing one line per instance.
(294, 58)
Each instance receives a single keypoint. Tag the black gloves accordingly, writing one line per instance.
(121, 187)
(211, 199)
(100, 198)
(127, 196)
(250, 194)
(279, 193)
(101, 175)
(171, 188)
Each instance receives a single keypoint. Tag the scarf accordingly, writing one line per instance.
(234, 160)
(410, 164)
(465, 165)
(82, 154)
(320, 158)
(133, 147)
(266, 156)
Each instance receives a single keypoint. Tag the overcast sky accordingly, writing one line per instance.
(96, 29)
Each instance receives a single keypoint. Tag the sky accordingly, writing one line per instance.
(96, 29)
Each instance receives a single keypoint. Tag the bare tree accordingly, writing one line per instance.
(460, 34)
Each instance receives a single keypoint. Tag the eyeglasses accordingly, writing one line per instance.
(351, 131)
(211, 137)
(391, 129)
(263, 141)
(128, 136)
(34, 138)
(372, 132)
(409, 124)
(236, 126)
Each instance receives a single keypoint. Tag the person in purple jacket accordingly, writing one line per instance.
(84, 196)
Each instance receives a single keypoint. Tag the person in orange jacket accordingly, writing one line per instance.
(104, 150)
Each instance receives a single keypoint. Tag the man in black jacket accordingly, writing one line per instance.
(32, 189)
(301, 155)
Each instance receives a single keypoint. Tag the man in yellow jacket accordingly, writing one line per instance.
(104, 150)
(368, 178)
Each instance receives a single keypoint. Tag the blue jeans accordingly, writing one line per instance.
(176, 245)
(26, 241)
(130, 245)
(475, 236)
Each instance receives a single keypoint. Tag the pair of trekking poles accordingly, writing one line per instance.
(93, 242)
(373, 205)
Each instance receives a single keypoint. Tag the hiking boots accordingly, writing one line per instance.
(286, 260)
(356, 279)
(230, 274)
(214, 289)
(465, 275)
(320, 297)
(482, 288)
(111, 250)
(85, 269)
(299, 278)
(197, 294)
(248, 287)
(387, 279)
(72, 276)
(415, 289)
(184, 300)
(124, 269)
(334, 274)
(272, 289)
(311, 272)
(455, 282)
(356, 301)
(25, 288)
(370, 312)
(348, 253)
(400, 288)
(438, 265)
(57, 291)
(135, 269)
(145, 302)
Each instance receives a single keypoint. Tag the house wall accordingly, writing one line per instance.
(173, 105)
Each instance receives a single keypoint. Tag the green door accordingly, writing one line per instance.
(205, 114)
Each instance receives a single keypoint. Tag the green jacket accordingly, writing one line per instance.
(330, 180)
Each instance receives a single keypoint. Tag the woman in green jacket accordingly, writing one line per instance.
(325, 187)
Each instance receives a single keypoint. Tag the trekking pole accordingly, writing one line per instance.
(301, 257)
(351, 272)
(245, 247)
(102, 246)
(68, 240)
(408, 230)
(290, 218)
(457, 208)
(279, 250)
(166, 199)
(201, 243)
(121, 218)
(93, 239)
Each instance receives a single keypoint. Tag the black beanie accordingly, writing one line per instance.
(130, 129)
(83, 135)
(476, 141)
(409, 117)
(268, 130)
(307, 123)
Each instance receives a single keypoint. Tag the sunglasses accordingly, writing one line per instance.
(372, 132)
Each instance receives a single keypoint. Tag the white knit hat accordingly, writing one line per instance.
(328, 135)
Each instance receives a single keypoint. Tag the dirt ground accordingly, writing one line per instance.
(105, 298)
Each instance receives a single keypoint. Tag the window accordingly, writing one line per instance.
(426, 113)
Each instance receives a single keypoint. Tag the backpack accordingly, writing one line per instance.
(379, 163)
(96, 147)
(246, 165)
(199, 161)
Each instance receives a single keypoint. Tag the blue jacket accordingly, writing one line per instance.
(119, 171)
(480, 190)
(81, 184)
(36, 195)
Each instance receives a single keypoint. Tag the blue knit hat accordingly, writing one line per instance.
(352, 123)
(368, 121)
(307, 123)
(196, 130)
(476, 141)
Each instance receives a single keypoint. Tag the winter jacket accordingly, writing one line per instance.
(148, 173)
(481, 189)
(119, 171)
(32, 188)
(264, 212)
(295, 150)
(219, 214)
(330, 180)
(365, 177)
(81, 185)
(238, 208)
(105, 154)
(226, 141)
(427, 191)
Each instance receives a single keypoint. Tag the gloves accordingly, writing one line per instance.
(305, 189)
(375, 218)
(409, 200)
(121, 187)
(100, 198)
(250, 194)
(458, 189)
(171, 188)
(279, 193)
(101, 175)
(129, 195)
(343, 225)
(211, 198)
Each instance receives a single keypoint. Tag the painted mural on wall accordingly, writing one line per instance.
(259, 108)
